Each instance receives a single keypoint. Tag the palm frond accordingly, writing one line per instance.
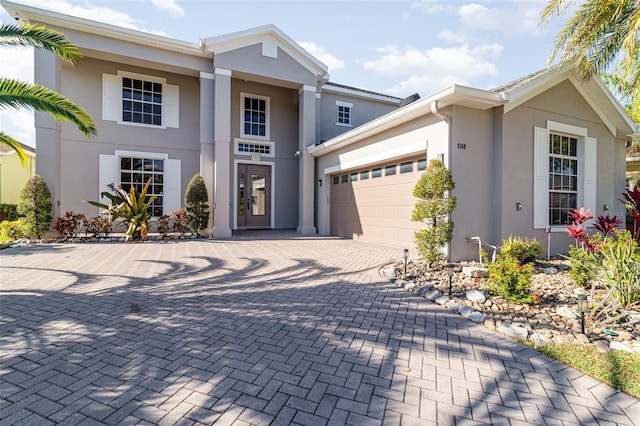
(17, 94)
(40, 37)
(15, 145)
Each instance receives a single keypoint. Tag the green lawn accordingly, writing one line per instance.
(616, 368)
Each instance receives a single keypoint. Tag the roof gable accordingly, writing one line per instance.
(270, 38)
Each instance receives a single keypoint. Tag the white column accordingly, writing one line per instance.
(222, 163)
(48, 158)
(206, 138)
(307, 137)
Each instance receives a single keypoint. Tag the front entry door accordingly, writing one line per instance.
(254, 196)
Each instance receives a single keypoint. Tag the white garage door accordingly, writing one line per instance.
(375, 203)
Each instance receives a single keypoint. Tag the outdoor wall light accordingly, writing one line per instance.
(406, 259)
(582, 307)
(319, 182)
(605, 207)
(451, 265)
(297, 154)
(518, 206)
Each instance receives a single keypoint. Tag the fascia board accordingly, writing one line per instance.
(446, 97)
(29, 13)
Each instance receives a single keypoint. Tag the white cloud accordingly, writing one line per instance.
(519, 17)
(319, 52)
(428, 6)
(435, 68)
(19, 125)
(168, 6)
(95, 13)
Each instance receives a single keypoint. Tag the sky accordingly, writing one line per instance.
(397, 47)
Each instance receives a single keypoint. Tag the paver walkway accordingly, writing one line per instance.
(271, 329)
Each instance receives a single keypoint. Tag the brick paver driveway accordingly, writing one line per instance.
(270, 328)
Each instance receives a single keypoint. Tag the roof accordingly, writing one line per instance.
(29, 150)
(509, 96)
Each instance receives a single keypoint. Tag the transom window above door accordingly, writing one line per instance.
(255, 116)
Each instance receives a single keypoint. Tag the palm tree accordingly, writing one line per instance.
(599, 34)
(17, 94)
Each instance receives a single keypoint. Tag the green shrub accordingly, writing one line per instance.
(621, 267)
(511, 280)
(35, 206)
(524, 249)
(195, 200)
(8, 212)
(582, 266)
(15, 229)
(69, 225)
(433, 208)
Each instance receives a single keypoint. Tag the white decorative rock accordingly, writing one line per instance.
(465, 311)
(566, 312)
(452, 306)
(511, 331)
(540, 339)
(475, 271)
(477, 317)
(433, 295)
(618, 346)
(550, 270)
(409, 286)
(441, 300)
(423, 290)
(602, 346)
(476, 296)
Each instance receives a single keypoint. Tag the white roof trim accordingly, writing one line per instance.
(360, 94)
(29, 13)
(421, 107)
(240, 39)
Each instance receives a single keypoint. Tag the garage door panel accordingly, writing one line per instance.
(376, 209)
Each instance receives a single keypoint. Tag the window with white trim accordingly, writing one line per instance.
(140, 100)
(255, 116)
(344, 113)
(564, 173)
(136, 171)
(134, 168)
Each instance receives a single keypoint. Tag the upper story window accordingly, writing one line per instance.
(140, 100)
(255, 116)
(344, 113)
(564, 173)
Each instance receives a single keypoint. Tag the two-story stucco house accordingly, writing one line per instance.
(241, 109)
(279, 146)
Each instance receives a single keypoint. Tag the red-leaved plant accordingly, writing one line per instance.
(605, 224)
(631, 199)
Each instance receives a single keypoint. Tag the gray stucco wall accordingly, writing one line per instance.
(363, 111)
(250, 60)
(563, 104)
(472, 154)
(80, 157)
(284, 133)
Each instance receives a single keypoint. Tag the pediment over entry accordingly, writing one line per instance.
(273, 43)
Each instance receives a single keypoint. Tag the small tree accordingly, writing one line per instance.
(434, 206)
(35, 205)
(196, 200)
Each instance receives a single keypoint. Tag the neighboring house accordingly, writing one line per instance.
(14, 174)
(633, 165)
(522, 156)
(241, 109)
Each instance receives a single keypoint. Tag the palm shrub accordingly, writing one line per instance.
(433, 208)
(195, 200)
(620, 267)
(35, 205)
(524, 249)
(133, 208)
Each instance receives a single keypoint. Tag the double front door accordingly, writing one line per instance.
(254, 196)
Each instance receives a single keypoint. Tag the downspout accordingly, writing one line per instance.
(447, 119)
